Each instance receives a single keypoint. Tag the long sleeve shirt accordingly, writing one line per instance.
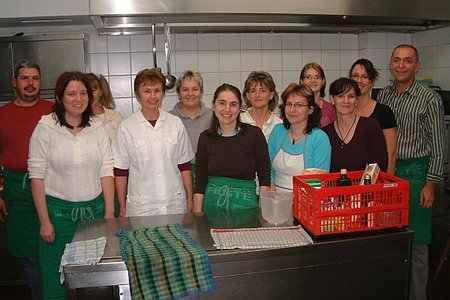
(420, 117)
(71, 166)
(240, 157)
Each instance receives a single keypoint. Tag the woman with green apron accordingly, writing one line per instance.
(229, 155)
(298, 143)
(71, 168)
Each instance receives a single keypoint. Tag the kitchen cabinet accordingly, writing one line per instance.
(43, 8)
(372, 265)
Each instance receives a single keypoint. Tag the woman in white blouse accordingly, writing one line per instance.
(71, 172)
(152, 155)
(261, 99)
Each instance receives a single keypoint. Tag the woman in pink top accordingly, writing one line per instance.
(313, 76)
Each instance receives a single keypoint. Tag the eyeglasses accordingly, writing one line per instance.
(363, 77)
(295, 105)
(310, 77)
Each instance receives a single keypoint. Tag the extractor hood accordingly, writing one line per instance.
(135, 16)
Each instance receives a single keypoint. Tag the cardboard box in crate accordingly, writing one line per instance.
(331, 209)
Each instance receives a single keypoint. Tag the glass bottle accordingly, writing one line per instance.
(343, 180)
(367, 179)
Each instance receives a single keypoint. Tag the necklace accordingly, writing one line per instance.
(298, 138)
(346, 135)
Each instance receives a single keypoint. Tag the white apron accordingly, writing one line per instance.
(286, 166)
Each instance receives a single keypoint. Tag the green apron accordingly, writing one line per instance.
(22, 222)
(65, 217)
(224, 193)
(239, 218)
(415, 171)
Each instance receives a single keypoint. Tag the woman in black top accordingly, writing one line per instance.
(365, 75)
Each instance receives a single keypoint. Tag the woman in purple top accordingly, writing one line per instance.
(313, 76)
(355, 140)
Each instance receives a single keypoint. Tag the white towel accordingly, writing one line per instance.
(260, 238)
(82, 253)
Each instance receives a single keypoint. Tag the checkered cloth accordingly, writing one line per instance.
(164, 263)
(88, 252)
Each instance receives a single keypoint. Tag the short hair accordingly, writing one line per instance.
(149, 76)
(61, 85)
(344, 84)
(26, 64)
(372, 73)
(214, 121)
(319, 70)
(99, 82)
(264, 79)
(406, 46)
(302, 90)
(190, 75)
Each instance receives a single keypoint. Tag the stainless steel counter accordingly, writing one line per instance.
(369, 266)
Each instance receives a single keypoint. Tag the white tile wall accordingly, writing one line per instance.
(230, 57)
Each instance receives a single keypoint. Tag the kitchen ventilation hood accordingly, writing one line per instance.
(135, 16)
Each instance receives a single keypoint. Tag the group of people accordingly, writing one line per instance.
(77, 159)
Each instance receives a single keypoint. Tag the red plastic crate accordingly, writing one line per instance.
(331, 210)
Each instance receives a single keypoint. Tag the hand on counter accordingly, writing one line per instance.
(3, 210)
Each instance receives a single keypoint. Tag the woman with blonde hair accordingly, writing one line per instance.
(261, 99)
(195, 116)
(103, 104)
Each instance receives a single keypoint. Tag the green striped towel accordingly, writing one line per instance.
(164, 263)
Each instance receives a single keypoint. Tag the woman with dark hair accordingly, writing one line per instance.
(229, 155)
(103, 104)
(313, 76)
(152, 155)
(71, 172)
(365, 75)
(355, 140)
(261, 99)
(298, 143)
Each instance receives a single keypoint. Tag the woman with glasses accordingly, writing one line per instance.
(297, 144)
(261, 98)
(355, 140)
(313, 76)
(365, 75)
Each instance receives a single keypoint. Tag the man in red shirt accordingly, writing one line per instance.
(18, 119)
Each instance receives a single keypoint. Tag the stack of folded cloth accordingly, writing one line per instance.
(164, 263)
(88, 252)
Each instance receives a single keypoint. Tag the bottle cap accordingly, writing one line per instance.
(343, 171)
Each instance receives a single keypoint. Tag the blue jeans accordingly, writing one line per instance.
(32, 273)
